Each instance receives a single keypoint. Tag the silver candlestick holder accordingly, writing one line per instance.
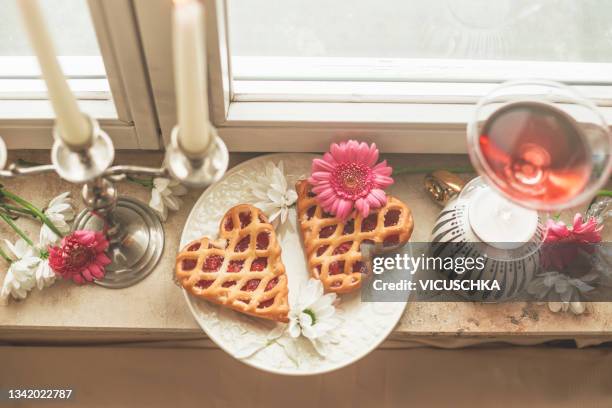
(134, 231)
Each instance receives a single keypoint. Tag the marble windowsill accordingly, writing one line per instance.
(155, 309)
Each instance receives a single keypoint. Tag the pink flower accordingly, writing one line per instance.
(564, 243)
(588, 232)
(348, 177)
(80, 256)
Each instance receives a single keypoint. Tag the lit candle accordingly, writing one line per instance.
(190, 76)
(499, 222)
(73, 126)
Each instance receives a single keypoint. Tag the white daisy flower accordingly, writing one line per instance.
(60, 212)
(44, 275)
(274, 195)
(21, 275)
(165, 195)
(313, 315)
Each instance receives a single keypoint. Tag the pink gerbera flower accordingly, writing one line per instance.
(588, 232)
(564, 243)
(348, 177)
(80, 256)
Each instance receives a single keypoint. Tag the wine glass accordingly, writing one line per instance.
(540, 144)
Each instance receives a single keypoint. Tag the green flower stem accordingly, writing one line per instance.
(26, 163)
(15, 228)
(604, 193)
(424, 170)
(5, 256)
(142, 182)
(35, 211)
(14, 209)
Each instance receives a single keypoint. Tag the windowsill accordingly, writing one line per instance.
(155, 308)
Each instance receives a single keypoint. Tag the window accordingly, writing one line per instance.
(292, 75)
(92, 60)
(358, 50)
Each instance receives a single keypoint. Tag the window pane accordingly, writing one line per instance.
(540, 30)
(73, 33)
(68, 20)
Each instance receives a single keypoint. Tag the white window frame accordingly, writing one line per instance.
(127, 113)
(410, 106)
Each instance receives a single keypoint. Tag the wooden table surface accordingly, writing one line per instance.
(154, 309)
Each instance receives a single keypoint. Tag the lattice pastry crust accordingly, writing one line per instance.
(333, 246)
(242, 269)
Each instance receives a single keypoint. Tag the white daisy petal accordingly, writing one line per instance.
(270, 189)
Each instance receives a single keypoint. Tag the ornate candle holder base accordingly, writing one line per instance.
(134, 231)
(135, 247)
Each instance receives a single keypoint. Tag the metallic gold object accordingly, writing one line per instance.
(443, 185)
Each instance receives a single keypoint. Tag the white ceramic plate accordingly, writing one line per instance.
(365, 324)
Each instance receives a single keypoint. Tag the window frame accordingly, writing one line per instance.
(250, 116)
(124, 108)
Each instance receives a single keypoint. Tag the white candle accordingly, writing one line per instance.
(73, 127)
(190, 76)
(499, 222)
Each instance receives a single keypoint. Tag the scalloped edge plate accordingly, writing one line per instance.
(366, 324)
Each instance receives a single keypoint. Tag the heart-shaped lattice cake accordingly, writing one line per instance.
(334, 247)
(242, 269)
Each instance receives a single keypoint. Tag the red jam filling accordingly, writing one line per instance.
(203, 284)
(263, 240)
(336, 267)
(311, 194)
(212, 263)
(188, 264)
(228, 284)
(343, 248)
(311, 212)
(349, 227)
(359, 267)
(271, 283)
(326, 215)
(235, 265)
(251, 285)
(243, 244)
(391, 240)
(392, 218)
(369, 223)
(194, 247)
(259, 264)
(327, 231)
(265, 303)
(321, 250)
(245, 219)
(229, 224)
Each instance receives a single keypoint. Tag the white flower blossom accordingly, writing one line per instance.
(60, 212)
(21, 275)
(45, 276)
(561, 292)
(274, 195)
(313, 315)
(165, 195)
